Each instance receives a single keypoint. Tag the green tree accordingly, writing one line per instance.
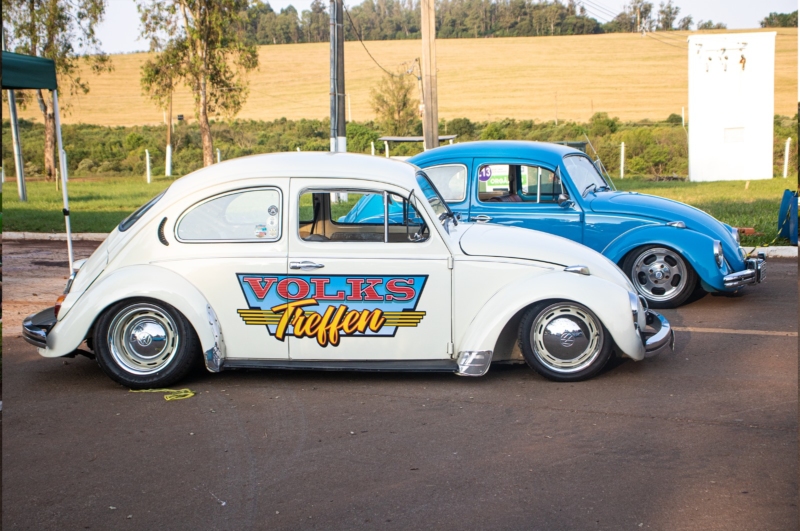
(61, 30)
(780, 20)
(394, 104)
(667, 15)
(198, 44)
(710, 25)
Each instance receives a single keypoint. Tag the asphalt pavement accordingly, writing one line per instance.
(702, 438)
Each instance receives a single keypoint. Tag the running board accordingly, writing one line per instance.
(326, 365)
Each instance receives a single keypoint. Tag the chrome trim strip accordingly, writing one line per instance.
(474, 362)
(662, 340)
(677, 224)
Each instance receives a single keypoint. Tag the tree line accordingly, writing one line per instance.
(400, 19)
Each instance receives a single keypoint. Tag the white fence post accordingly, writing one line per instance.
(147, 163)
(622, 161)
(168, 171)
(386, 145)
(786, 158)
(373, 148)
(217, 155)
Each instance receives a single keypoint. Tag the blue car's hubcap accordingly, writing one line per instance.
(659, 274)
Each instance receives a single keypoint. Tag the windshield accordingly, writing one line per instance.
(584, 174)
(432, 195)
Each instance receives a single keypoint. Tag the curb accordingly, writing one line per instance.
(771, 252)
(56, 236)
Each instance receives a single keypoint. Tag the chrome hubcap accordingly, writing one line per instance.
(566, 338)
(659, 274)
(143, 339)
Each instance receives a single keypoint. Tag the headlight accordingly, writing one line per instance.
(718, 256)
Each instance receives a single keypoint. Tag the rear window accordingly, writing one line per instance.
(240, 216)
(138, 213)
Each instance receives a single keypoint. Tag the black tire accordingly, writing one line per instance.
(661, 275)
(143, 343)
(551, 335)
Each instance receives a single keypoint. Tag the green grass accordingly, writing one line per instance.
(95, 205)
(733, 202)
(98, 205)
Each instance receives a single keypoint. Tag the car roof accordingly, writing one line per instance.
(542, 151)
(298, 164)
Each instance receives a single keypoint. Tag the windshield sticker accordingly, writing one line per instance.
(332, 306)
(261, 231)
(485, 173)
(272, 210)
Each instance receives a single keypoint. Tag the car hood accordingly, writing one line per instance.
(492, 240)
(661, 209)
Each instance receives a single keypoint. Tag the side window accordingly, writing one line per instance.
(539, 184)
(515, 183)
(450, 180)
(241, 216)
(358, 216)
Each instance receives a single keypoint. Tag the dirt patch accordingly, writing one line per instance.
(34, 274)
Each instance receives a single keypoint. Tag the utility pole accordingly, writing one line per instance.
(430, 117)
(338, 125)
(168, 166)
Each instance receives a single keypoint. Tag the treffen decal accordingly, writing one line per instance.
(329, 307)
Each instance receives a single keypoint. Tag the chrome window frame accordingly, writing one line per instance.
(200, 203)
(466, 180)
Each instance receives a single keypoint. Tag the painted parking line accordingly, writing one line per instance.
(732, 331)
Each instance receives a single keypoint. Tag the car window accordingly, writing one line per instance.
(139, 212)
(539, 184)
(583, 173)
(248, 215)
(516, 183)
(357, 216)
(450, 180)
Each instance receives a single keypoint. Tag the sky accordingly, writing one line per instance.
(119, 32)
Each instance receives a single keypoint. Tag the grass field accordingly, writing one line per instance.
(100, 208)
(626, 75)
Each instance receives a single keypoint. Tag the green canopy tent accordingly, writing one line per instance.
(21, 72)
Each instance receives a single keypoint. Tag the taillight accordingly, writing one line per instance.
(57, 307)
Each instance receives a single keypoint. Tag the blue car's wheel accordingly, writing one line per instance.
(661, 275)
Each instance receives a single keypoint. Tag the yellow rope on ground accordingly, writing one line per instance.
(174, 394)
(780, 228)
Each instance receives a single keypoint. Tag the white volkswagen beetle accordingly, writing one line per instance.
(252, 263)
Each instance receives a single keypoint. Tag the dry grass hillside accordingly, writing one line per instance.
(626, 75)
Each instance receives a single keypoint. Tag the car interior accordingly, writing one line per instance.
(525, 184)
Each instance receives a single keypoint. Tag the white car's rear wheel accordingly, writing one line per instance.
(564, 341)
(143, 343)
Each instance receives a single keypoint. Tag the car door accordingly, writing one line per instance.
(364, 289)
(523, 193)
(232, 245)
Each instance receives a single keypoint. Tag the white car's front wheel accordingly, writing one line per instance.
(142, 343)
(564, 341)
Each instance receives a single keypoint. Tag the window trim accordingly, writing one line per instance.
(232, 192)
(537, 201)
(139, 213)
(466, 179)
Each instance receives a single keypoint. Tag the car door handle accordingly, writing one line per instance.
(305, 265)
(481, 219)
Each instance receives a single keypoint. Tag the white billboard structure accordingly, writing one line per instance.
(731, 106)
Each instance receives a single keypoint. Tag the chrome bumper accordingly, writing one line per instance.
(661, 338)
(756, 272)
(36, 327)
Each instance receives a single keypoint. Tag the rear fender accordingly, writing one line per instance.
(696, 248)
(138, 281)
(608, 301)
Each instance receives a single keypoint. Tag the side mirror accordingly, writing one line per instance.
(458, 216)
(564, 201)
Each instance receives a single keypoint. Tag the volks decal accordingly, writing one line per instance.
(329, 307)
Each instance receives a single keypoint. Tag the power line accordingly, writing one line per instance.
(600, 8)
(596, 15)
(358, 34)
(665, 42)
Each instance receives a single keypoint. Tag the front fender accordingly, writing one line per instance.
(608, 301)
(135, 281)
(695, 247)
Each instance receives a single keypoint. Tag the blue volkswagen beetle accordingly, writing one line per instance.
(668, 249)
